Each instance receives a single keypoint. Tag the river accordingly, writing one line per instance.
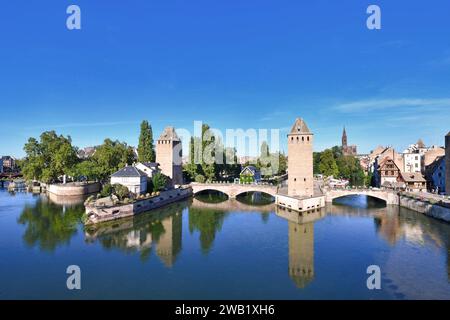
(208, 248)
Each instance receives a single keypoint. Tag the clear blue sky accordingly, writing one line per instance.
(233, 64)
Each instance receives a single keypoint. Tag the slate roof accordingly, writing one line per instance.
(169, 134)
(150, 165)
(253, 169)
(127, 172)
(300, 127)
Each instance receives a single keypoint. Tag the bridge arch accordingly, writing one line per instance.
(380, 195)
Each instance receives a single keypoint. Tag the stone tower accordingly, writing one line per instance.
(300, 160)
(168, 155)
(301, 253)
(447, 163)
(169, 243)
(344, 139)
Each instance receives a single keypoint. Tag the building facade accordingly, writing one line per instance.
(412, 162)
(8, 164)
(413, 181)
(447, 163)
(435, 176)
(132, 178)
(386, 172)
(169, 155)
(250, 174)
(300, 160)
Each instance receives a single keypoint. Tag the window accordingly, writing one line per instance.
(303, 138)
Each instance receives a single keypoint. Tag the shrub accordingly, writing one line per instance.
(120, 191)
(200, 178)
(107, 190)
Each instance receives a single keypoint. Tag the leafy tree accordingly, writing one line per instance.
(159, 181)
(86, 168)
(146, 150)
(111, 156)
(51, 157)
(327, 165)
(350, 168)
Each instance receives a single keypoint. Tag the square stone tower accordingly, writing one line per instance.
(168, 155)
(447, 164)
(300, 160)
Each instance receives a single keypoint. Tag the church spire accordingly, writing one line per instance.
(344, 138)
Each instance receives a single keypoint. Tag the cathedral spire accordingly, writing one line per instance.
(344, 138)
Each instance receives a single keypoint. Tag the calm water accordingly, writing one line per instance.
(207, 250)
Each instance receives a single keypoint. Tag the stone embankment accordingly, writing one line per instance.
(98, 212)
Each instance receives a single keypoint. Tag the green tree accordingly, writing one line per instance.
(51, 157)
(350, 169)
(112, 156)
(159, 181)
(328, 165)
(145, 149)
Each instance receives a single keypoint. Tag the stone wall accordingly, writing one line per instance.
(431, 210)
(74, 189)
(98, 214)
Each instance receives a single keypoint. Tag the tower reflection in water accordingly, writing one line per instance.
(160, 231)
(301, 244)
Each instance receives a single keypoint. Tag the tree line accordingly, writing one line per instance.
(53, 156)
(332, 162)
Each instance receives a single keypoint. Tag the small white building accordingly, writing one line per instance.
(132, 178)
(412, 162)
(149, 168)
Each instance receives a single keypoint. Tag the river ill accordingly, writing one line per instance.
(207, 249)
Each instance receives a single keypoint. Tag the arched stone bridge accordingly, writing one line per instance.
(234, 189)
(390, 197)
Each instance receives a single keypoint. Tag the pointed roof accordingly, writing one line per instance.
(448, 134)
(344, 133)
(300, 127)
(420, 143)
(169, 134)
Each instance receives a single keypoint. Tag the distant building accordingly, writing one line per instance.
(413, 181)
(412, 162)
(346, 149)
(8, 164)
(169, 155)
(384, 152)
(386, 172)
(1, 165)
(86, 153)
(431, 155)
(132, 178)
(250, 174)
(247, 160)
(435, 176)
(447, 163)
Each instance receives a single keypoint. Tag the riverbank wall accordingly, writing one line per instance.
(97, 214)
(432, 210)
(74, 189)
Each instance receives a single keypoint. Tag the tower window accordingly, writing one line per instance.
(303, 138)
(304, 179)
(307, 138)
(295, 179)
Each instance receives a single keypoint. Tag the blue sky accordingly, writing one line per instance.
(232, 64)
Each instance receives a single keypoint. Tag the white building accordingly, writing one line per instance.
(412, 162)
(132, 178)
(149, 168)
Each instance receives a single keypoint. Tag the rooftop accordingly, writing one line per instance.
(300, 127)
(128, 171)
(169, 134)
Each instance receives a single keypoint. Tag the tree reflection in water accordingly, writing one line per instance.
(49, 225)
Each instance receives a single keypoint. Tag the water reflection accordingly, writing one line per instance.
(301, 244)
(162, 229)
(47, 225)
(206, 221)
